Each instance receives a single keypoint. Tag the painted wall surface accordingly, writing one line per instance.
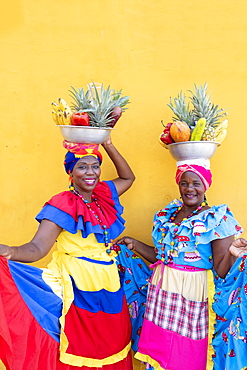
(149, 49)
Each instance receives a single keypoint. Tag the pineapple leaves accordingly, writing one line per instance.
(180, 109)
(201, 107)
(98, 103)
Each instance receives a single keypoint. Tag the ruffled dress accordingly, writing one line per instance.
(72, 314)
(230, 306)
(176, 331)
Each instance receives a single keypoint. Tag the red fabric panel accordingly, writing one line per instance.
(97, 335)
(24, 344)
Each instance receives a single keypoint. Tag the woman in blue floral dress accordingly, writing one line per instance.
(193, 262)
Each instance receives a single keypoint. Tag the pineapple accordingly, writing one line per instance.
(181, 110)
(98, 104)
(209, 133)
(82, 101)
(202, 107)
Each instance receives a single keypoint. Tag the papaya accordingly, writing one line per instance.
(180, 131)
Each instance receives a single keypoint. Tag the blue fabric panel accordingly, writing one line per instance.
(108, 302)
(43, 303)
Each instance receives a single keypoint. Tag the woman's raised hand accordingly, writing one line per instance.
(5, 251)
(129, 242)
(239, 247)
(107, 142)
(141, 248)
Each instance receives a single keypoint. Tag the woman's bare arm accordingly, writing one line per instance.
(146, 251)
(125, 175)
(222, 256)
(37, 248)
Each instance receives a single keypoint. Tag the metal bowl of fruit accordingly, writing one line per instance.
(85, 134)
(192, 149)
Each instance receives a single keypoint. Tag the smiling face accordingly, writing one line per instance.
(191, 189)
(86, 174)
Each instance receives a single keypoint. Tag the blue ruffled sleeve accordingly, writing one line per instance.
(118, 207)
(218, 222)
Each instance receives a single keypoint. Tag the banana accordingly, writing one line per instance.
(221, 136)
(222, 126)
(198, 130)
(221, 131)
(61, 112)
(62, 104)
(55, 106)
(60, 117)
(67, 116)
(55, 117)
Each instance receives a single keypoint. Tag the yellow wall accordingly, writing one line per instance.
(150, 49)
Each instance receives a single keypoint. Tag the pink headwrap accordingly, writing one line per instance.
(204, 174)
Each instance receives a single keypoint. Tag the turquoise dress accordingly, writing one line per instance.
(180, 247)
(230, 306)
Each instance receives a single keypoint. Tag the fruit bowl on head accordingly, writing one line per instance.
(192, 149)
(85, 134)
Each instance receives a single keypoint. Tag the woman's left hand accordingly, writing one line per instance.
(107, 142)
(239, 247)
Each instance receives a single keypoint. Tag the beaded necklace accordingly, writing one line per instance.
(175, 230)
(197, 210)
(110, 249)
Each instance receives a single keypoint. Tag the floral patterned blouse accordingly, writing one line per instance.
(190, 242)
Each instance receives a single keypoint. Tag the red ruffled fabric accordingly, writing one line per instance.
(24, 344)
(75, 207)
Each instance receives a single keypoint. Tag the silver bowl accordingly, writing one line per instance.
(192, 149)
(85, 134)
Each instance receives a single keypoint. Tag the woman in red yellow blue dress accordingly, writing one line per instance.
(72, 314)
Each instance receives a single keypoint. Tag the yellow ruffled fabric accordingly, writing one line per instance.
(91, 362)
(149, 360)
(94, 278)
